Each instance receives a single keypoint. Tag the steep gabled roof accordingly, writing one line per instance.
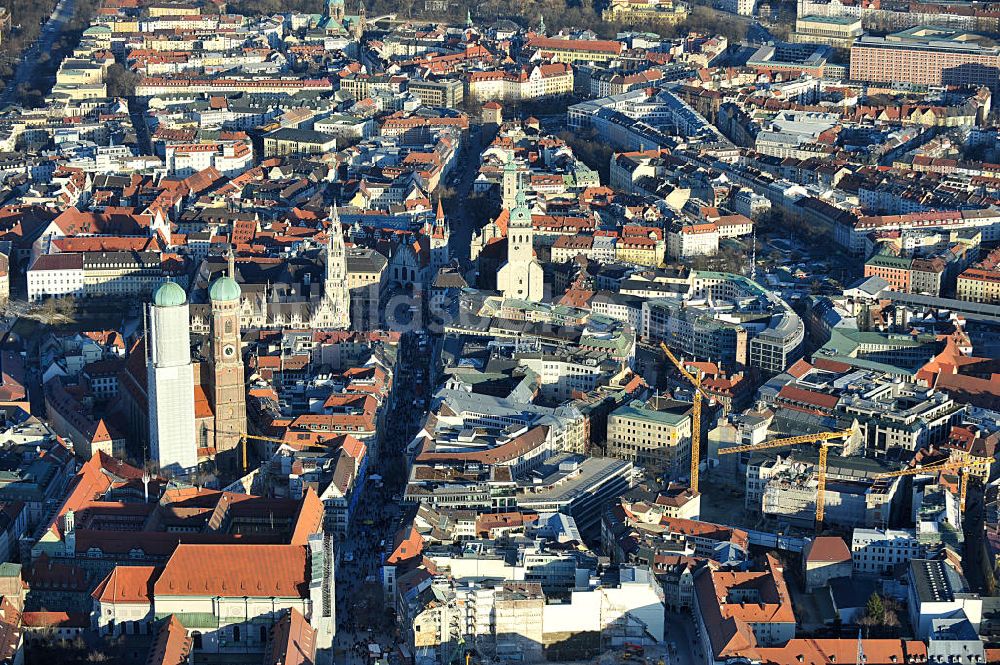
(172, 645)
(127, 584)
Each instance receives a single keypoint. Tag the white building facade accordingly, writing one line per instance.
(171, 381)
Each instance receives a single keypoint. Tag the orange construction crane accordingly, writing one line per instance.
(695, 380)
(824, 439)
(961, 467)
(243, 443)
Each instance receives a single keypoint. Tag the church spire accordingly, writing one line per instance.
(334, 215)
(335, 288)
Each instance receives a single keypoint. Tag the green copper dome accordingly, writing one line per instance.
(224, 289)
(169, 294)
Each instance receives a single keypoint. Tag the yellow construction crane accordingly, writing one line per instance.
(695, 380)
(243, 444)
(824, 439)
(961, 467)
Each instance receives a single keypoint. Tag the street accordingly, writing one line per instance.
(461, 224)
(28, 63)
(683, 646)
(362, 615)
(137, 112)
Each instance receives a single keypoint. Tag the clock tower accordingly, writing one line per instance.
(228, 386)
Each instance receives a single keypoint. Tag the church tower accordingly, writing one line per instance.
(509, 186)
(335, 10)
(521, 277)
(170, 381)
(336, 306)
(439, 236)
(228, 385)
(359, 25)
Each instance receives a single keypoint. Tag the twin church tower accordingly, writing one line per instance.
(173, 437)
(177, 429)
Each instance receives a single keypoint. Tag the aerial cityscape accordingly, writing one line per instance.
(499, 332)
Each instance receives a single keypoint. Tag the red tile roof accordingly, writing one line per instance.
(235, 571)
(730, 623)
(825, 651)
(172, 645)
(127, 584)
(828, 549)
(583, 45)
(409, 544)
(293, 641)
(56, 620)
(808, 397)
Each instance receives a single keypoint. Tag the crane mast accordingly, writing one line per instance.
(695, 380)
(825, 440)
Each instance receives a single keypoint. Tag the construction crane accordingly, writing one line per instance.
(825, 441)
(695, 380)
(962, 467)
(243, 444)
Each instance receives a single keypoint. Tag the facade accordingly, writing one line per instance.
(769, 335)
(574, 485)
(741, 7)
(825, 558)
(229, 158)
(693, 240)
(96, 275)
(539, 82)
(170, 381)
(576, 50)
(926, 55)
(880, 551)
(836, 31)
(852, 232)
(656, 435)
(290, 141)
(366, 270)
(639, 250)
(981, 282)
(443, 93)
(649, 11)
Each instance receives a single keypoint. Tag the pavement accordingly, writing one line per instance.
(683, 645)
(28, 63)
(362, 615)
(137, 113)
(462, 226)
